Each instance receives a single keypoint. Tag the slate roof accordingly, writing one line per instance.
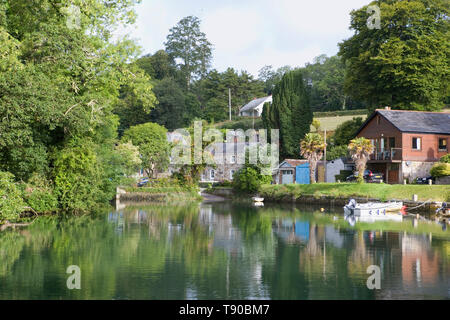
(415, 121)
(253, 104)
(294, 162)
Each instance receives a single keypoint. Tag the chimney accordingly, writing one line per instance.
(387, 108)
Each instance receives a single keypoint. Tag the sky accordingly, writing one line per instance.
(250, 34)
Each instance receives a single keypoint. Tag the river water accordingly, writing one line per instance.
(223, 251)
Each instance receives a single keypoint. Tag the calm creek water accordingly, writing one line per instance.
(223, 251)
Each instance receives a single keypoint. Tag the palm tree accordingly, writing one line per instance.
(360, 150)
(312, 147)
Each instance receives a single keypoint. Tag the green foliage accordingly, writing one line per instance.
(336, 152)
(405, 63)
(39, 194)
(326, 76)
(11, 201)
(151, 139)
(249, 179)
(347, 131)
(271, 77)
(171, 111)
(42, 201)
(59, 85)
(213, 93)
(243, 123)
(78, 177)
(290, 112)
(445, 159)
(440, 170)
(128, 158)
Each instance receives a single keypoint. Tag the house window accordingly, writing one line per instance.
(391, 142)
(442, 144)
(232, 174)
(212, 174)
(378, 120)
(416, 143)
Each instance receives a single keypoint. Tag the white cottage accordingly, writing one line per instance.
(255, 107)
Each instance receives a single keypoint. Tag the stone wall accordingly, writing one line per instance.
(415, 169)
(443, 180)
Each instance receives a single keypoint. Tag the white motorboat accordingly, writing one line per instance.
(257, 199)
(374, 211)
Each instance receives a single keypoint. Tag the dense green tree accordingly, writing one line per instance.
(336, 152)
(326, 79)
(158, 66)
(271, 77)
(249, 179)
(60, 77)
(188, 44)
(171, 111)
(213, 92)
(347, 131)
(11, 200)
(151, 139)
(405, 63)
(290, 112)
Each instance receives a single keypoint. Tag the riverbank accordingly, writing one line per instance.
(380, 192)
(158, 194)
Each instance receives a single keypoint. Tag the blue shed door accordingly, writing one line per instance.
(302, 176)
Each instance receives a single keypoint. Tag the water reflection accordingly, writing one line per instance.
(223, 251)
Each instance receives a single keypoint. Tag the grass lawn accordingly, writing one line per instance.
(331, 123)
(384, 192)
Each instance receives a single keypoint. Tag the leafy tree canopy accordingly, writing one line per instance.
(405, 63)
(187, 45)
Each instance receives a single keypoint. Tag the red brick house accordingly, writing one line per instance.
(407, 143)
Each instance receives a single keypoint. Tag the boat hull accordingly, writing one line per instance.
(376, 211)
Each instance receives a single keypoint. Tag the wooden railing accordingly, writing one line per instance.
(387, 155)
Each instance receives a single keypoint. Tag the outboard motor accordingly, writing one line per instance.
(442, 209)
(350, 207)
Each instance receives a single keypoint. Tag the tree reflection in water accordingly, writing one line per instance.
(222, 251)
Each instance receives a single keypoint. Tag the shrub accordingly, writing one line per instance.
(440, 170)
(446, 158)
(42, 201)
(249, 179)
(337, 152)
(39, 194)
(78, 178)
(11, 200)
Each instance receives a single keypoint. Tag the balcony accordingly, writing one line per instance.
(391, 155)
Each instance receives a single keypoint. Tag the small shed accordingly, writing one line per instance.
(293, 171)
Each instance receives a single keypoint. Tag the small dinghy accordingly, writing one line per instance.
(374, 211)
(257, 199)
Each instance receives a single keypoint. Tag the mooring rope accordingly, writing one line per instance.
(428, 201)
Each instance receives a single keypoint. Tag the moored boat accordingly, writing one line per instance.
(258, 199)
(372, 211)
